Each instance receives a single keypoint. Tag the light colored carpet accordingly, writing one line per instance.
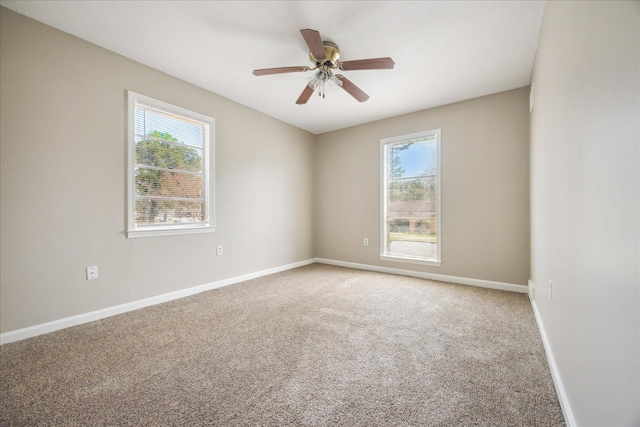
(318, 345)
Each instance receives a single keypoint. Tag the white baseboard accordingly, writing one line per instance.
(555, 374)
(55, 325)
(431, 276)
(45, 328)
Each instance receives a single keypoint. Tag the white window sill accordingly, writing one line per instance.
(409, 260)
(169, 231)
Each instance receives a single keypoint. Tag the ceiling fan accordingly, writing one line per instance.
(326, 57)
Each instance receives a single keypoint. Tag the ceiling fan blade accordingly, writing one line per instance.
(280, 70)
(352, 89)
(314, 41)
(368, 64)
(305, 95)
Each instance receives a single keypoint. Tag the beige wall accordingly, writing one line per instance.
(485, 188)
(63, 151)
(281, 198)
(584, 208)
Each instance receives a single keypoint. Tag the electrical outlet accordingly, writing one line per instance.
(345, 242)
(550, 289)
(366, 241)
(219, 250)
(92, 272)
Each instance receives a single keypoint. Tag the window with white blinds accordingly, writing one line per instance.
(170, 169)
(410, 192)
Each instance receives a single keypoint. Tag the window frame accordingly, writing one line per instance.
(133, 231)
(383, 197)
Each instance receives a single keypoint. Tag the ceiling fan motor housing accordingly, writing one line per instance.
(332, 52)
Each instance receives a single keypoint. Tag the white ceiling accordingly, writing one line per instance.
(445, 51)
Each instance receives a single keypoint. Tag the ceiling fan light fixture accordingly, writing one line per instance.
(324, 81)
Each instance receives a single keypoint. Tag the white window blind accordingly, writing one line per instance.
(169, 173)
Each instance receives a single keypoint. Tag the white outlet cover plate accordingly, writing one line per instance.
(92, 272)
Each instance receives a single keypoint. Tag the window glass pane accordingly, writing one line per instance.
(167, 212)
(411, 199)
(151, 182)
(149, 120)
(168, 156)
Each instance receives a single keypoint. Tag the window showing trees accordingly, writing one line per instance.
(170, 178)
(411, 198)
